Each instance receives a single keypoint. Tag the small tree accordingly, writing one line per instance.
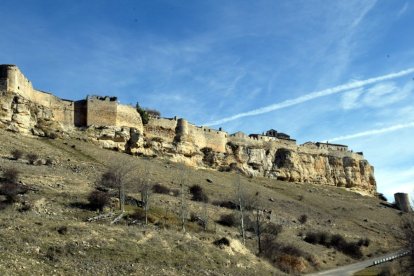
(183, 203)
(258, 228)
(143, 113)
(204, 219)
(118, 176)
(146, 190)
(240, 200)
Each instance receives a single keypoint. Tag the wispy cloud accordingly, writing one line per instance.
(313, 95)
(373, 132)
(403, 9)
(379, 95)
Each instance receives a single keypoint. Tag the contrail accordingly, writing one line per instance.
(313, 95)
(372, 132)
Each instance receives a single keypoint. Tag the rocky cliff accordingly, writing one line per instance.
(288, 162)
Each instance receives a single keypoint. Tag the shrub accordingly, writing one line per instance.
(49, 161)
(198, 193)
(17, 154)
(11, 190)
(325, 239)
(303, 219)
(364, 242)
(288, 258)
(226, 204)
(272, 229)
(222, 242)
(160, 189)
(228, 220)
(11, 175)
(153, 112)
(337, 241)
(382, 197)
(32, 157)
(26, 206)
(139, 215)
(290, 264)
(351, 249)
(312, 237)
(98, 200)
(62, 230)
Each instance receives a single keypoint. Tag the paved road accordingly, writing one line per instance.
(352, 268)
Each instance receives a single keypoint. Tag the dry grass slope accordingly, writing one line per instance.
(51, 235)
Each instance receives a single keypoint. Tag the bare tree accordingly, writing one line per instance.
(258, 228)
(204, 217)
(240, 199)
(146, 189)
(183, 203)
(118, 176)
(408, 229)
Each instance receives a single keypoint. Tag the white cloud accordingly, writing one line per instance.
(313, 95)
(372, 132)
(350, 99)
(384, 94)
(379, 95)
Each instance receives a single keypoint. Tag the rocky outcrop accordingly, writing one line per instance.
(18, 114)
(287, 162)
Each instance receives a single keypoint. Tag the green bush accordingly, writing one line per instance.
(143, 113)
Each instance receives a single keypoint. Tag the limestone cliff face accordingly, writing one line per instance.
(303, 165)
(18, 114)
(284, 162)
(288, 162)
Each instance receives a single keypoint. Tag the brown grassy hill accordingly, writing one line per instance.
(46, 230)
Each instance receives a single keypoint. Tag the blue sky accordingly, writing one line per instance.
(211, 60)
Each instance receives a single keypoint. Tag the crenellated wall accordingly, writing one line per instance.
(95, 110)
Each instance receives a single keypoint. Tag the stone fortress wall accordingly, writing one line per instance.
(106, 111)
(98, 111)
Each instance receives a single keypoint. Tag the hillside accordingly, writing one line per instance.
(46, 231)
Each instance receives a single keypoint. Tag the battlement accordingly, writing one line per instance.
(95, 110)
(101, 98)
(107, 111)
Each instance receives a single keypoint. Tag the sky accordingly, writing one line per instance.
(340, 71)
